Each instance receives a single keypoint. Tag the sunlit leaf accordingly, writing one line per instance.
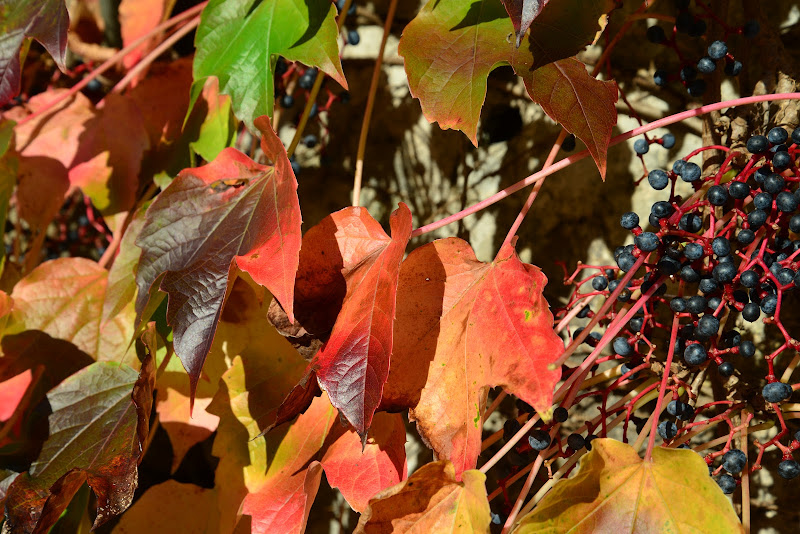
(462, 327)
(231, 210)
(431, 500)
(137, 18)
(64, 298)
(616, 491)
(238, 39)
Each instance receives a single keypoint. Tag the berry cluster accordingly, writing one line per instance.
(693, 25)
(727, 254)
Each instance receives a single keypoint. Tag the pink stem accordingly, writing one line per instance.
(670, 353)
(536, 177)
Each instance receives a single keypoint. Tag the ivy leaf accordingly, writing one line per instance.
(46, 21)
(138, 17)
(584, 105)
(615, 490)
(451, 46)
(462, 327)
(64, 298)
(98, 425)
(522, 13)
(353, 253)
(218, 129)
(231, 210)
(184, 430)
(12, 392)
(431, 500)
(238, 40)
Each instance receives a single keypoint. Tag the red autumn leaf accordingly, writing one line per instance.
(97, 428)
(522, 13)
(462, 327)
(616, 491)
(11, 393)
(451, 46)
(46, 21)
(231, 210)
(582, 104)
(276, 495)
(352, 252)
(431, 500)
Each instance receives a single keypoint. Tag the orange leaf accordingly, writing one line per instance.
(11, 393)
(138, 17)
(184, 430)
(616, 491)
(462, 327)
(431, 500)
(171, 507)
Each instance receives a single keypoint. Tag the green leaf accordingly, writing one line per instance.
(98, 425)
(238, 41)
(8, 175)
(218, 130)
(451, 46)
(616, 491)
(44, 20)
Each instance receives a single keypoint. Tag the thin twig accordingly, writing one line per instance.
(373, 89)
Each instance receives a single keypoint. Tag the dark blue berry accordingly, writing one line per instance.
(706, 65)
(708, 285)
(726, 369)
(757, 144)
(769, 304)
(786, 202)
(668, 266)
(691, 222)
(746, 236)
(693, 251)
(660, 78)
(626, 261)
(667, 430)
(721, 246)
(678, 305)
(733, 68)
(776, 392)
(739, 190)
(777, 136)
(696, 304)
(717, 50)
(789, 469)
(785, 276)
(658, 179)
(622, 347)
(668, 141)
(306, 81)
(689, 274)
(763, 201)
(575, 442)
(568, 145)
(599, 283)
(560, 414)
(287, 101)
(751, 312)
(662, 209)
(629, 220)
(707, 325)
(727, 484)
(794, 223)
(681, 410)
(353, 38)
(695, 354)
(310, 140)
(647, 241)
(747, 348)
(756, 218)
(539, 440)
(717, 195)
(641, 146)
(781, 161)
(749, 278)
(697, 88)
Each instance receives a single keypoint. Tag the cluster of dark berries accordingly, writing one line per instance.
(728, 252)
(352, 36)
(692, 24)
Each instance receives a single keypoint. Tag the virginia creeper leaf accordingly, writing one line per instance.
(46, 21)
(451, 46)
(231, 210)
(615, 490)
(184, 430)
(276, 495)
(359, 257)
(584, 105)
(238, 40)
(431, 500)
(172, 507)
(79, 145)
(462, 327)
(98, 425)
(218, 130)
(64, 297)
(522, 13)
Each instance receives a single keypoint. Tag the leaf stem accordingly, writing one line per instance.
(664, 379)
(114, 59)
(542, 174)
(373, 89)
